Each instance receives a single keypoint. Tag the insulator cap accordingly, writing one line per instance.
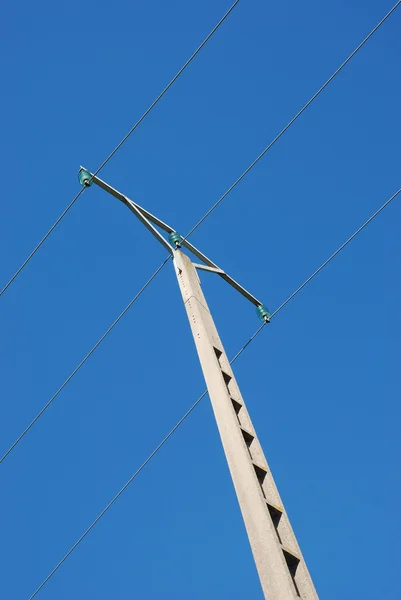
(175, 239)
(263, 313)
(84, 178)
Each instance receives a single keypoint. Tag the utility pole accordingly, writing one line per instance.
(282, 570)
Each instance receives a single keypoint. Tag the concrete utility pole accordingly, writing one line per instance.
(282, 570)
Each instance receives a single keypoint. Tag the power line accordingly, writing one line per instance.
(278, 136)
(160, 96)
(83, 361)
(195, 404)
(322, 266)
(326, 262)
(26, 261)
(130, 480)
(145, 114)
(221, 198)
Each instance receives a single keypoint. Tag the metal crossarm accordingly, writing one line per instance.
(147, 219)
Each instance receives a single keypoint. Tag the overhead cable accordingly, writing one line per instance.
(322, 266)
(299, 113)
(195, 404)
(326, 262)
(147, 111)
(83, 361)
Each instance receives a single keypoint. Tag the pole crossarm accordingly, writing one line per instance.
(149, 220)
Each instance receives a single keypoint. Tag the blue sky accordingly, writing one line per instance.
(321, 382)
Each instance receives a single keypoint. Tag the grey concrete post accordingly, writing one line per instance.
(282, 570)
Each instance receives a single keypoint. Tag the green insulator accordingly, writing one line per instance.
(84, 177)
(175, 239)
(263, 313)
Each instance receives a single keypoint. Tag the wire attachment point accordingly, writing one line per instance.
(84, 177)
(263, 313)
(175, 239)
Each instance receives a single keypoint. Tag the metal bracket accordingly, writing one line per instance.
(147, 219)
(206, 268)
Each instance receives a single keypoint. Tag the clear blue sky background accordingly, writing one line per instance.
(321, 382)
